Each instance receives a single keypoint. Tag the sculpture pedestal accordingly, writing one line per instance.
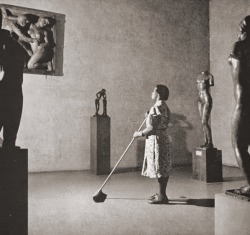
(13, 191)
(207, 165)
(100, 145)
(231, 215)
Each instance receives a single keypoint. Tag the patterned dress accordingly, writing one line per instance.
(157, 157)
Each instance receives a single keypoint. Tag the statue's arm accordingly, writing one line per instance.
(20, 35)
(234, 61)
(235, 64)
(153, 120)
(211, 80)
(98, 95)
(235, 68)
(49, 40)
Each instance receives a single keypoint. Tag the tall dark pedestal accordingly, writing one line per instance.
(13, 191)
(207, 165)
(100, 145)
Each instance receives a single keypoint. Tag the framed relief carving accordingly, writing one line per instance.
(40, 33)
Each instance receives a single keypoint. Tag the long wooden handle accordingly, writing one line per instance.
(121, 157)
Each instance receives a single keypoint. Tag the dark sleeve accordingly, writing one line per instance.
(237, 51)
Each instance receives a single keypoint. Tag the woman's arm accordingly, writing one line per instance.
(153, 122)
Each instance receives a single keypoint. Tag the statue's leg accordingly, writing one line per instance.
(209, 135)
(104, 108)
(206, 126)
(13, 117)
(200, 108)
(40, 59)
(243, 160)
(240, 142)
(97, 107)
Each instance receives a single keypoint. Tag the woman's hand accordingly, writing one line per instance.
(137, 134)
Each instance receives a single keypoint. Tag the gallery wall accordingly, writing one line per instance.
(126, 47)
(225, 16)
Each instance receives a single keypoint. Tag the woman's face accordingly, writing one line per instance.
(154, 94)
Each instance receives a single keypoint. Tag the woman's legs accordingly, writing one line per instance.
(163, 181)
(161, 197)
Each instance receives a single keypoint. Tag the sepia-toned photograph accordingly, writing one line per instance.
(125, 117)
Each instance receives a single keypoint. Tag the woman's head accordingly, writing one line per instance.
(162, 91)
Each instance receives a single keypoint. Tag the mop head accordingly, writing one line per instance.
(99, 196)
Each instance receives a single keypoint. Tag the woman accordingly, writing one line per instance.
(239, 61)
(157, 162)
(205, 103)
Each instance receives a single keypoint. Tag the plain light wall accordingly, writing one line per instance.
(126, 47)
(225, 16)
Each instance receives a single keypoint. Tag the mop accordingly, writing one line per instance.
(99, 196)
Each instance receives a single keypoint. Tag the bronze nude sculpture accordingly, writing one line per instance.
(239, 61)
(205, 103)
(12, 58)
(99, 95)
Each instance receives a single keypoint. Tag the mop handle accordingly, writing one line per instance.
(121, 157)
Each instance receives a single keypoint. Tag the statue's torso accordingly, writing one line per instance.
(241, 52)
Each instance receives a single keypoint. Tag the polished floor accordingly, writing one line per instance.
(62, 204)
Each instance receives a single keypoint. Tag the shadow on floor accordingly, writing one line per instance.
(130, 199)
(207, 202)
(204, 202)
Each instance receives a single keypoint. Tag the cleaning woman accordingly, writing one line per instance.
(157, 158)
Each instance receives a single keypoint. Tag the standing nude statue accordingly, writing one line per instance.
(99, 95)
(12, 59)
(205, 103)
(239, 61)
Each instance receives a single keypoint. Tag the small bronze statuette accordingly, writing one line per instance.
(205, 103)
(99, 95)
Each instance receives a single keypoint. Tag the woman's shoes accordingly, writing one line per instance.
(158, 199)
(153, 196)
